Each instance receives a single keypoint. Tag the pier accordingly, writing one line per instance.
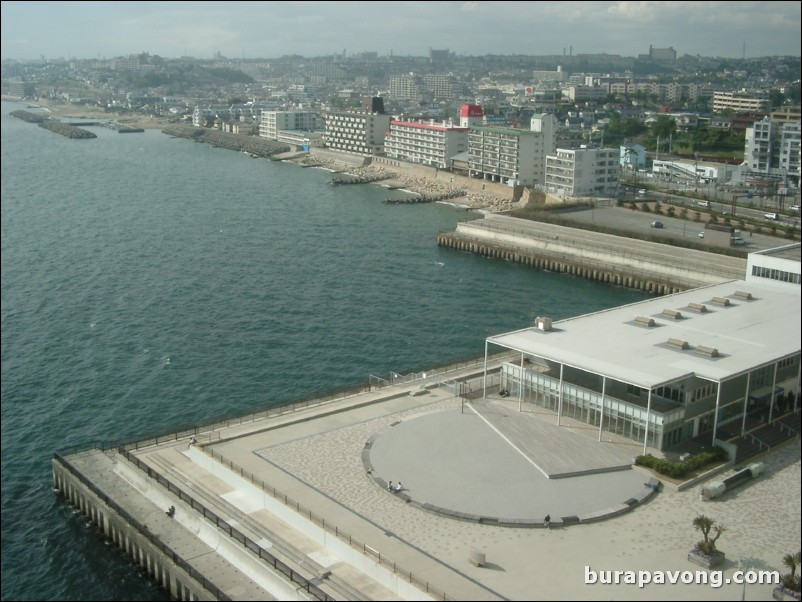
(652, 267)
(293, 502)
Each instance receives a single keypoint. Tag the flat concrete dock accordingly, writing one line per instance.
(310, 487)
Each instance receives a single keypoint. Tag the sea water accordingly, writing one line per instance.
(151, 283)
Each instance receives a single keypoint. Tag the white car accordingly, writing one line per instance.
(794, 208)
(772, 216)
(701, 234)
(703, 203)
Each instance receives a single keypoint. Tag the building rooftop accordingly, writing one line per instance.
(619, 343)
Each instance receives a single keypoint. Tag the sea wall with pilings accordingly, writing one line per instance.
(119, 526)
(652, 267)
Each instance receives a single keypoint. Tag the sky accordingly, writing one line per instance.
(87, 30)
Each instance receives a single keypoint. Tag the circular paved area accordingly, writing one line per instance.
(462, 464)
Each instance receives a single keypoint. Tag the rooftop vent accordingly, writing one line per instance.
(721, 301)
(697, 307)
(743, 295)
(543, 323)
(708, 351)
(678, 343)
(672, 313)
(644, 321)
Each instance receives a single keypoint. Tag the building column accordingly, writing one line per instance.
(601, 418)
(746, 402)
(648, 411)
(715, 415)
(560, 396)
(773, 392)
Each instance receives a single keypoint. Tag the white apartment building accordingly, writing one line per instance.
(545, 124)
(426, 143)
(582, 93)
(354, 132)
(583, 172)
(790, 152)
(224, 113)
(741, 102)
(772, 150)
(272, 122)
(507, 155)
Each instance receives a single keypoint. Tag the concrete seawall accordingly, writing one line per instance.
(229, 534)
(651, 267)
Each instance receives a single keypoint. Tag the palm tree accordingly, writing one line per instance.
(791, 580)
(706, 525)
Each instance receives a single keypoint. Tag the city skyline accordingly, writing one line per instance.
(32, 30)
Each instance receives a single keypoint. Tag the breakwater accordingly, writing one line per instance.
(29, 117)
(356, 179)
(70, 131)
(426, 198)
(48, 123)
(259, 147)
(654, 268)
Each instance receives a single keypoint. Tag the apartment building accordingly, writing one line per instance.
(507, 155)
(772, 151)
(583, 172)
(426, 143)
(357, 132)
(406, 87)
(742, 101)
(273, 122)
(790, 152)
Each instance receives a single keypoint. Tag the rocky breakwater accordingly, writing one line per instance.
(259, 147)
(70, 131)
(363, 175)
(29, 117)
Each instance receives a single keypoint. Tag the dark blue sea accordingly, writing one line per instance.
(151, 284)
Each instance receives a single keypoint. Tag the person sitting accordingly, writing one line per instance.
(390, 486)
(398, 487)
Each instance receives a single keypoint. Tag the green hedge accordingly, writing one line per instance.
(678, 470)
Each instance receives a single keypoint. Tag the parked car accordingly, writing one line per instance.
(642, 191)
(702, 234)
(737, 241)
(794, 208)
(773, 216)
(703, 203)
(657, 224)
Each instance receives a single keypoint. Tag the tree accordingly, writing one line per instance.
(707, 525)
(791, 580)
(664, 126)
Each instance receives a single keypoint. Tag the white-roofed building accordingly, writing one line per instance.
(703, 363)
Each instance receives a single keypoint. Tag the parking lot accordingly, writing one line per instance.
(673, 227)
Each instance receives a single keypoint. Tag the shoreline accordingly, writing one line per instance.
(408, 184)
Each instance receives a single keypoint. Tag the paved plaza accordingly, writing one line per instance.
(487, 458)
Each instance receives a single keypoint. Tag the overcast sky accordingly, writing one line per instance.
(272, 29)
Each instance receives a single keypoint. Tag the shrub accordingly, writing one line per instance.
(678, 470)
